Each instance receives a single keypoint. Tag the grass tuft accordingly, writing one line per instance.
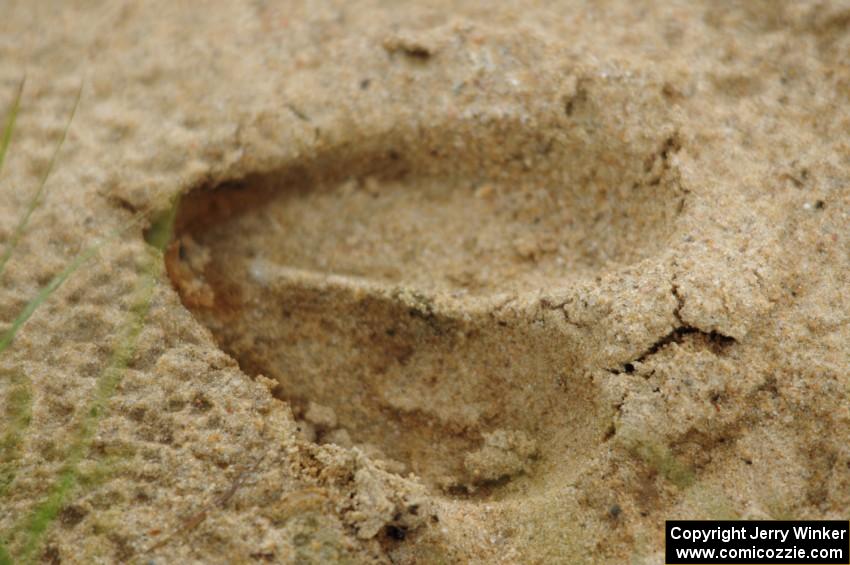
(30, 530)
(33, 528)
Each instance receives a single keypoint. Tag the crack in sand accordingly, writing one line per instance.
(676, 335)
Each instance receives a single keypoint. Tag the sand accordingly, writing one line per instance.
(450, 282)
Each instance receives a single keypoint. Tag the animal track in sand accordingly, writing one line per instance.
(390, 285)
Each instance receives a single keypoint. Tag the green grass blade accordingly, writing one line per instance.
(160, 233)
(18, 417)
(16, 421)
(5, 558)
(39, 193)
(9, 335)
(46, 512)
(10, 123)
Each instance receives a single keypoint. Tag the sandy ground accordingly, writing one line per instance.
(452, 282)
